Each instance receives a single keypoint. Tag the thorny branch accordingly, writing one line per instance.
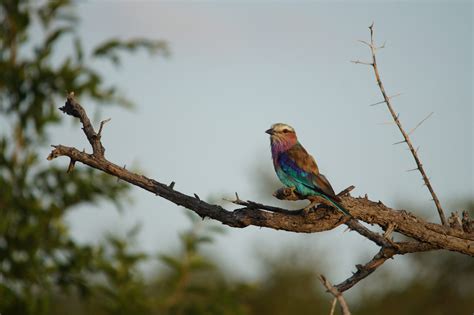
(426, 236)
(406, 136)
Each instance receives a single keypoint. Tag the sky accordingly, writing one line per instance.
(238, 67)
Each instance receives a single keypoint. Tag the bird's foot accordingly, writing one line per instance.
(308, 208)
(290, 191)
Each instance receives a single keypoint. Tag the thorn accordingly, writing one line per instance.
(365, 43)
(171, 185)
(383, 45)
(237, 196)
(124, 167)
(419, 124)
(416, 151)
(399, 142)
(197, 197)
(362, 62)
(411, 170)
(366, 196)
(390, 97)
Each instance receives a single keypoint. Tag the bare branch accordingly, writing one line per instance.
(73, 108)
(405, 135)
(338, 295)
(385, 253)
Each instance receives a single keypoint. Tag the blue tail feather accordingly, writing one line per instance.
(337, 205)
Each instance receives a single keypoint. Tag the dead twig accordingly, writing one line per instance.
(333, 306)
(102, 123)
(338, 295)
(406, 136)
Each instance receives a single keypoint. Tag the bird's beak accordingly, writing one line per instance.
(269, 131)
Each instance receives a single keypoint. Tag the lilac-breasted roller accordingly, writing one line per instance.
(297, 169)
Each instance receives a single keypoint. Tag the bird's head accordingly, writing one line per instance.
(282, 133)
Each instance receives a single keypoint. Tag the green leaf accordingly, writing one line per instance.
(111, 48)
(171, 262)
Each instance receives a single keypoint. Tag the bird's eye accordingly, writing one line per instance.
(286, 130)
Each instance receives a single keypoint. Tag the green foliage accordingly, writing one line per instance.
(443, 284)
(37, 254)
(111, 48)
(194, 285)
(123, 290)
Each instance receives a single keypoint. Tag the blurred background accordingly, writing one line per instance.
(191, 87)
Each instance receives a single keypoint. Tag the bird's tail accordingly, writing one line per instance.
(337, 205)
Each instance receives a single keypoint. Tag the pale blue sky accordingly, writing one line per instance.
(238, 67)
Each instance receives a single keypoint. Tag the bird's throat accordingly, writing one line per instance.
(280, 145)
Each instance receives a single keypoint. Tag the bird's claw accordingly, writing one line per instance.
(308, 208)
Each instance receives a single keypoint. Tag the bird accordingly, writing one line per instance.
(298, 170)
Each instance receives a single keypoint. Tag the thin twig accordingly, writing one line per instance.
(333, 306)
(405, 135)
(338, 295)
(102, 123)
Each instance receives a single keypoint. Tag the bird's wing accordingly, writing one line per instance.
(298, 164)
(322, 183)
